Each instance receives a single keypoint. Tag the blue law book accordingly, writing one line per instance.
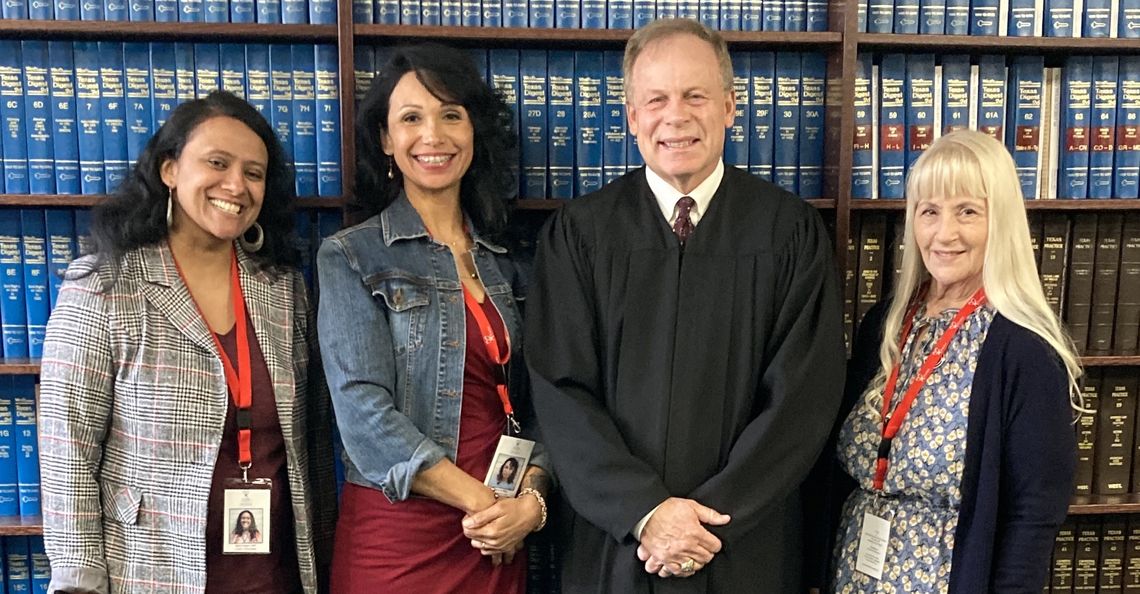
(1097, 18)
(363, 70)
(955, 93)
(27, 446)
(37, 117)
(1023, 18)
(588, 121)
(295, 12)
(116, 10)
(323, 12)
(473, 11)
(1126, 165)
(736, 136)
(752, 15)
(880, 16)
(567, 14)
(9, 478)
(68, 10)
(991, 96)
(37, 298)
(13, 305)
(919, 105)
(164, 90)
(773, 15)
(542, 13)
(906, 17)
(1076, 125)
(644, 12)
(892, 125)
(787, 121)
(114, 113)
(613, 118)
(166, 11)
(560, 122)
(18, 572)
(667, 9)
(281, 96)
(184, 72)
(708, 13)
(232, 68)
(140, 107)
(504, 67)
(1129, 19)
(429, 12)
(243, 11)
(633, 158)
(451, 13)
(91, 10)
(305, 119)
(362, 12)
(620, 13)
(515, 13)
(269, 11)
(957, 17)
(932, 17)
(593, 14)
(59, 228)
(14, 10)
(140, 11)
(688, 9)
(817, 15)
(89, 114)
(41, 566)
(1102, 143)
(190, 11)
(731, 12)
(532, 123)
(863, 151)
(15, 147)
(479, 59)
(257, 77)
(41, 10)
(814, 79)
(387, 12)
(984, 17)
(861, 9)
(84, 243)
(328, 122)
(762, 100)
(65, 135)
(1023, 135)
(207, 69)
(1061, 19)
(492, 13)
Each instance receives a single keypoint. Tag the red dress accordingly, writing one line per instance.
(417, 545)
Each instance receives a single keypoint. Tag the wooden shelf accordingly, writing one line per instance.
(20, 526)
(128, 31)
(555, 204)
(19, 367)
(943, 44)
(576, 38)
(1110, 361)
(1104, 504)
(1049, 204)
(88, 200)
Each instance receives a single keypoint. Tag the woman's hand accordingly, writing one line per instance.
(500, 529)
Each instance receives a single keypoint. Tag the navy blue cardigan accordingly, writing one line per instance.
(1020, 459)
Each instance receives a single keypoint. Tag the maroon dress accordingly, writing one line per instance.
(277, 572)
(417, 545)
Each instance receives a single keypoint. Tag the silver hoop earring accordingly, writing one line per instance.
(253, 246)
(391, 175)
(169, 208)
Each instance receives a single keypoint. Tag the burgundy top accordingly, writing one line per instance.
(277, 572)
(417, 545)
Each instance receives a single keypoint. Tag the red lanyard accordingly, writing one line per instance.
(492, 345)
(892, 420)
(239, 380)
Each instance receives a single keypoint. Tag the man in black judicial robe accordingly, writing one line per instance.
(676, 382)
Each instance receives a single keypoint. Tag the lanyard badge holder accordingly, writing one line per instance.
(513, 453)
(874, 536)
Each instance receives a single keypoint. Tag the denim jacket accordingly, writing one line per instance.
(392, 329)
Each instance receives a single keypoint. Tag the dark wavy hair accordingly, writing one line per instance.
(135, 214)
(450, 76)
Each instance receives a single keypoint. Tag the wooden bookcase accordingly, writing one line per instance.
(840, 44)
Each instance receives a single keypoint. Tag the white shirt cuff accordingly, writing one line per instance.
(641, 524)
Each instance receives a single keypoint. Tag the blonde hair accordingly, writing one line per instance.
(664, 28)
(970, 163)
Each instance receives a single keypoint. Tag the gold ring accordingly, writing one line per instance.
(688, 565)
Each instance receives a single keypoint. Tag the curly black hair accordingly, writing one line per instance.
(448, 74)
(135, 214)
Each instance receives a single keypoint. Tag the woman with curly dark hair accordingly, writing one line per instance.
(180, 368)
(422, 338)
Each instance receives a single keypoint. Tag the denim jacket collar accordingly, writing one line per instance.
(400, 221)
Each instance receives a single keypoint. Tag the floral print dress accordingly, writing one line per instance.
(923, 483)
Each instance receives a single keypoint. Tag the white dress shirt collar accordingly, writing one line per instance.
(667, 196)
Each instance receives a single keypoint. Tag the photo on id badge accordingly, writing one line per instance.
(247, 521)
(508, 464)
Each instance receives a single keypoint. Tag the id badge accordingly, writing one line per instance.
(508, 465)
(873, 540)
(245, 514)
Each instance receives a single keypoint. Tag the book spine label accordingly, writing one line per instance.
(37, 299)
(787, 121)
(892, 125)
(762, 99)
(588, 121)
(13, 308)
(328, 122)
(920, 105)
(560, 112)
(304, 119)
(114, 113)
(1059, 18)
(65, 137)
(814, 79)
(1103, 137)
(37, 117)
(257, 78)
(14, 144)
(27, 445)
(862, 149)
(532, 125)
(1027, 83)
(89, 108)
(1022, 18)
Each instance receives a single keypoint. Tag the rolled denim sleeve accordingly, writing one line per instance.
(381, 443)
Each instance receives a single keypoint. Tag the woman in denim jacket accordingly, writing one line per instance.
(415, 374)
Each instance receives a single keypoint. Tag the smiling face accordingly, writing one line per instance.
(432, 141)
(245, 519)
(218, 181)
(951, 234)
(678, 109)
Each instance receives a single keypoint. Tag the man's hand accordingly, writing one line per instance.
(675, 534)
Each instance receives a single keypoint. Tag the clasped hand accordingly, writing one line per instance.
(675, 534)
(499, 530)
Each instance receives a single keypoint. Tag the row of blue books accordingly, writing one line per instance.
(26, 567)
(78, 114)
(570, 110)
(19, 449)
(725, 15)
(1074, 131)
(291, 12)
(1014, 18)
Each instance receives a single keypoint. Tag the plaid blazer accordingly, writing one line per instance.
(132, 405)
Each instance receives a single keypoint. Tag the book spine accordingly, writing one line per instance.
(207, 69)
(269, 11)
(116, 10)
(257, 77)
(892, 125)
(363, 70)
(67, 10)
(1027, 83)
(560, 111)
(1087, 556)
(861, 10)
(689, 9)
(1115, 427)
(9, 480)
(1096, 19)
(1103, 116)
(216, 11)
(18, 569)
(65, 137)
(243, 11)
(1112, 551)
(1022, 18)
(164, 11)
(59, 227)
(1126, 166)
(814, 79)
(1128, 297)
(761, 145)
(736, 137)
(861, 165)
(1081, 279)
(304, 119)
(542, 14)
(752, 14)
(816, 15)
(732, 13)
(184, 72)
(13, 308)
(41, 10)
(872, 238)
(787, 121)
(593, 14)
(362, 12)
(957, 17)
(89, 107)
(451, 13)
(667, 9)
(984, 17)
(189, 11)
(114, 113)
(328, 122)
(1054, 260)
(323, 12)
(37, 300)
(932, 17)
(955, 93)
(140, 112)
(644, 12)
(880, 16)
(774, 15)
(919, 106)
(1060, 18)
(1129, 24)
(991, 96)
(1087, 432)
(164, 90)
(281, 99)
(15, 145)
(567, 14)
(84, 244)
(1076, 106)
(503, 66)
(37, 117)
(296, 12)
(850, 284)
(1064, 550)
(535, 138)
(430, 13)
(588, 121)
(906, 17)
(1105, 277)
(27, 446)
(614, 124)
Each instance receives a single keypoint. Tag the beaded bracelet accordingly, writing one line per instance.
(541, 504)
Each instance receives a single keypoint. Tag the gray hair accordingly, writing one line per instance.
(662, 29)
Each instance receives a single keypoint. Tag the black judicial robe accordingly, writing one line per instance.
(712, 372)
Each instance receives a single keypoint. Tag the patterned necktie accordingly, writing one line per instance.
(683, 225)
